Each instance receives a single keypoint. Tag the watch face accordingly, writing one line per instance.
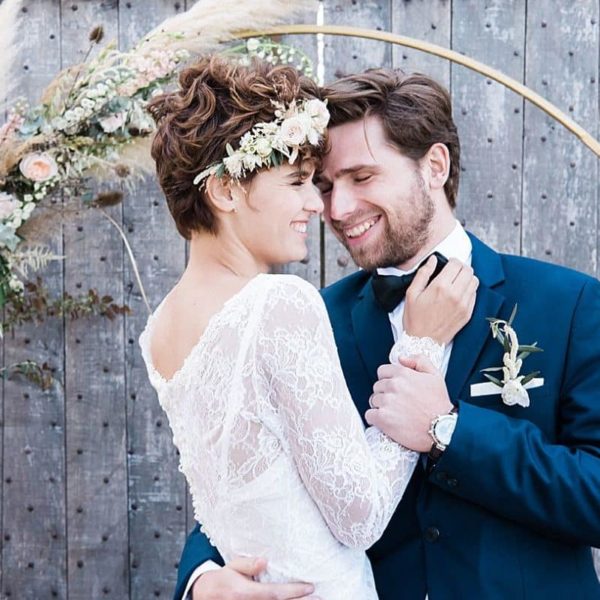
(444, 429)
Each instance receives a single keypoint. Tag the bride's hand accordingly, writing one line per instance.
(442, 308)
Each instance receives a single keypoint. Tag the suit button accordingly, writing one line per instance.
(432, 534)
(452, 483)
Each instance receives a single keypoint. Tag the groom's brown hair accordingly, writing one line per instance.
(416, 112)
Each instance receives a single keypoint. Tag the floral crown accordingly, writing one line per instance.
(267, 144)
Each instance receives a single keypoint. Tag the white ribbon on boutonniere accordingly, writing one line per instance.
(513, 386)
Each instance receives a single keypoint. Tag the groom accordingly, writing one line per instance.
(506, 501)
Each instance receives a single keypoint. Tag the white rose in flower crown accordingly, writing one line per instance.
(263, 147)
(318, 112)
(293, 131)
(112, 123)
(38, 166)
(8, 204)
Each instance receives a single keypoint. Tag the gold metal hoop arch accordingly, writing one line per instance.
(435, 50)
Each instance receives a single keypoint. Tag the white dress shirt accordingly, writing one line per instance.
(456, 245)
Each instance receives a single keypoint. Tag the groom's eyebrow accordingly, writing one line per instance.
(346, 171)
(355, 168)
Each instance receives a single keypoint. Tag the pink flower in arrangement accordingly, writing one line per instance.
(8, 204)
(38, 166)
(112, 123)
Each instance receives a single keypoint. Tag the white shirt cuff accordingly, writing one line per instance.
(205, 567)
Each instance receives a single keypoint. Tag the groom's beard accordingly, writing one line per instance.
(404, 231)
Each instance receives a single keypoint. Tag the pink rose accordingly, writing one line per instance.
(112, 123)
(38, 166)
(7, 205)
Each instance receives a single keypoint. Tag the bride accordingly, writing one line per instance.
(244, 362)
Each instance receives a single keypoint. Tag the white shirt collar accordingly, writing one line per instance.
(456, 245)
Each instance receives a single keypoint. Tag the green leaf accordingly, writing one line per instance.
(493, 379)
(529, 377)
(512, 315)
(530, 349)
(491, 369)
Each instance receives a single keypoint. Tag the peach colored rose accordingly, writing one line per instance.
(38, 166)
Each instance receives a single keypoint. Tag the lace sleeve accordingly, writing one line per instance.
(408, 345)
(355, 477)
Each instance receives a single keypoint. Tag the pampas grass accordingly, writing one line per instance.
(9, 48)
(210, 22)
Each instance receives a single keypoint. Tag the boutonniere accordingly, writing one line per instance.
(513, 385)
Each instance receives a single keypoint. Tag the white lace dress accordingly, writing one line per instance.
(277, 459)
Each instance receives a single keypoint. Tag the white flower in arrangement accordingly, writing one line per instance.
(88, 104)
(38, 166)
(513, 393)
(318, 113)
(264, 147)
(252, 44)
(8, 204)
(234, 164)
(251, 161)
(113, 122)
(293, 131)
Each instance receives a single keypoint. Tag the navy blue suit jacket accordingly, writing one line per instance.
(513, 506)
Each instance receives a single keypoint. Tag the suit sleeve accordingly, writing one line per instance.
(197, 550)
(511, 468)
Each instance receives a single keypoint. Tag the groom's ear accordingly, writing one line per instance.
(437, 164)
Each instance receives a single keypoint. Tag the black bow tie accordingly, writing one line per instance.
(390, 290)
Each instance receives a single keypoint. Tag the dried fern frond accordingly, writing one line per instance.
(30, 259)
(210, 22)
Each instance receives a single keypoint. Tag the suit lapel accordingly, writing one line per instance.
(372, 330)
(469, 342)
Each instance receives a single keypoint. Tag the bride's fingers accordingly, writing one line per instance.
(421, 279)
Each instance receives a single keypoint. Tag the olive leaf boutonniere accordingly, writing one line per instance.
(513, 385)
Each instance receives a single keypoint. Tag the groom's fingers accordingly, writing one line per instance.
(251, 567)
(282, 591)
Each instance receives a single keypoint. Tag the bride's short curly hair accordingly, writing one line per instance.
(217, 102)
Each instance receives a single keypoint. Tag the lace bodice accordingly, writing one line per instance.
(277, 459)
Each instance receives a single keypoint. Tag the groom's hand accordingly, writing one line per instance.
(406, 399)
(234, 582)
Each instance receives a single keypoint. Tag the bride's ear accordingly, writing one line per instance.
(220, 194)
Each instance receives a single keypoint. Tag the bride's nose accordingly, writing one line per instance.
(313, 202)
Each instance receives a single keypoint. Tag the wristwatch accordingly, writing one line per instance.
(441, 430)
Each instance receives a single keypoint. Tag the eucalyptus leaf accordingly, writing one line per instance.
(491, 369)
(529, 377)
(493, 379)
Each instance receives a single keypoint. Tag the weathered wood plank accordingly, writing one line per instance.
(95, 386)
(427, 20)
(560, 207)
(490, 120)
(157, 490)
(310, 267)
(344, 56)
(33, 483)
